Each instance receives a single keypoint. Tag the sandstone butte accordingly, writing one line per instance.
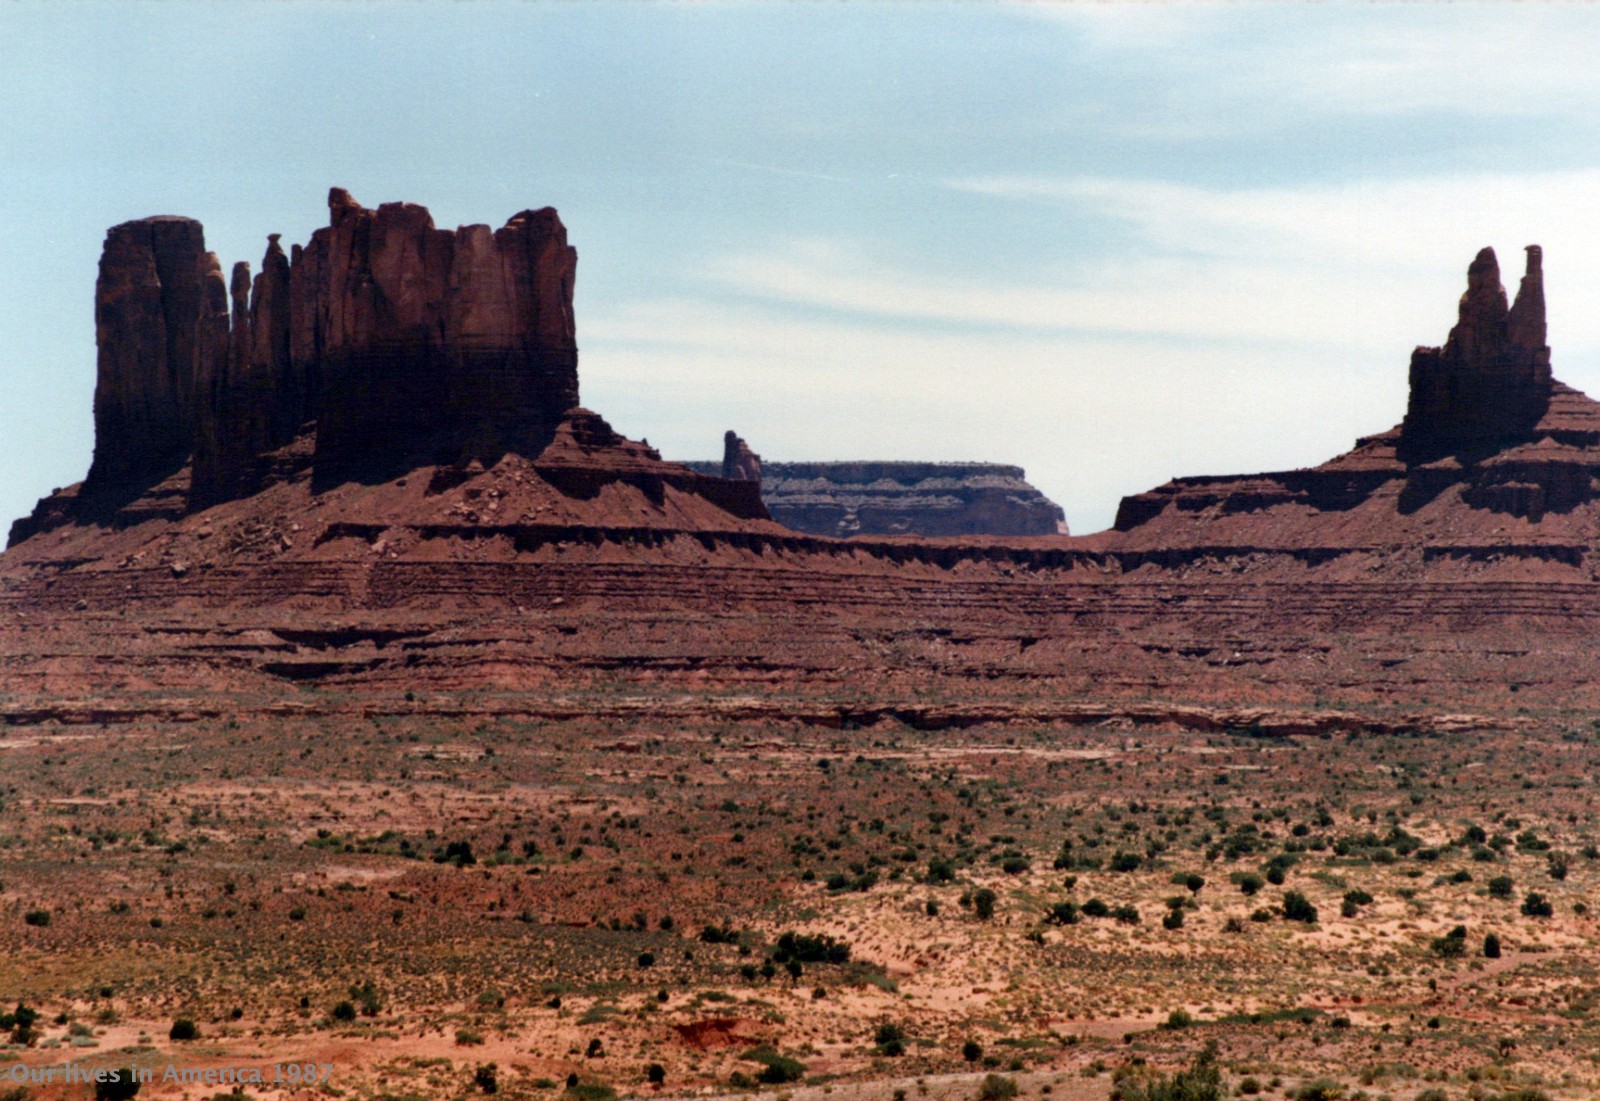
(366, 470)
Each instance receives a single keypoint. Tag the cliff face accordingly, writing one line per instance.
(895, 498)
(430, 343)
(382, 345)
(1490, 383)
(150, 313)
(1417, 567)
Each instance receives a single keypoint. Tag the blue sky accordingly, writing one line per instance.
(1110, 243)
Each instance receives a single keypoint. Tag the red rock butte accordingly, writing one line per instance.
(365, 468)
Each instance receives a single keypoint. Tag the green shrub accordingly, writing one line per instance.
(183, 1029)
(119, 1085)
(37, 917)
(983, 903)
(1491, 947)
(776, 1069)
(809, 948)
(1319, 1089)
(588, 1091)
(1063, 913)
(1536, 905)
(1500, 886)
(997, 1087)
(1201, 1081)
(486, 1078)
(1296, 907)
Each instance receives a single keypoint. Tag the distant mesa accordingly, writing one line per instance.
(843, 499)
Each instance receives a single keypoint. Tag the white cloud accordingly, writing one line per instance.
(1211, 70)
(1381, 255)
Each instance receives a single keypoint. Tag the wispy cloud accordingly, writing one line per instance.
(1230, 330)
(1209, 70)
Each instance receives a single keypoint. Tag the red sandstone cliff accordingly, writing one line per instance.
(381, 345)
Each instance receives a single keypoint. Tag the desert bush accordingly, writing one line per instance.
(1200, 1081)
(21, 1021)
(588, 1091)
(458, 853)
(1535, 904)
(183, 1029)
(1453, 945)
(485, 1076)
(1319, 1089)
(37, 917)
(1248, 882)
(119, 1085)
(997, 1087)
(890, 1039)
(810, 948)
(1296, 907)
(1063, 913)
(972, 1051)
(655, 1074)
(983, 903)
(344, 1011)
(1500, 886)
(776, 1069)
(1491, 947)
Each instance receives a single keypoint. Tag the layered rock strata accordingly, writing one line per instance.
(900, 498)
(591, 578)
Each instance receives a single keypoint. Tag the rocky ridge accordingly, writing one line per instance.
(537, 570)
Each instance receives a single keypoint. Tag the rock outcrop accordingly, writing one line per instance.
(1487, 434)
(896, 498)
(433, 345)
(382, 344)
(1490, 383)
(148, 305)
(739, 463)
(589, 577)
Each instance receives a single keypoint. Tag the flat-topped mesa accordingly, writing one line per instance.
(147, 303)
(1490, 383)
(433, 345)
